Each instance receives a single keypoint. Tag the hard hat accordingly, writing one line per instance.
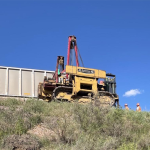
(138, 104)
(126, 104)
(101, 82)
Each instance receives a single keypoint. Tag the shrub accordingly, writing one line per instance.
(76, 126)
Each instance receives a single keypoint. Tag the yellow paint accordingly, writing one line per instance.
(81, 80)
(85, 81)
(27, 94)
(75, 71)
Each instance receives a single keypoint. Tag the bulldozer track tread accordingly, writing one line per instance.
(98, 101)
(109, 95)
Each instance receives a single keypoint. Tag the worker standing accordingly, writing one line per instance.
(126, 107)
(138, 108)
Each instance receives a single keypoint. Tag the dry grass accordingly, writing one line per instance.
(72, 126)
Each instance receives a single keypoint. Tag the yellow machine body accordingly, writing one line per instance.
(84, 77)
(83, 89)
(78, 84)
(85, 72)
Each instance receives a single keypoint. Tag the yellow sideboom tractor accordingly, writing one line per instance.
(78, 84)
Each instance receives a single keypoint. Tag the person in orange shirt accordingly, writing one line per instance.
(138, 108)
(126, 107)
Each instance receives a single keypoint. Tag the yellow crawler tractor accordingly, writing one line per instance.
(78, 84)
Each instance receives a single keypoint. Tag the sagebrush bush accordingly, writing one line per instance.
(10, 102)
(76, 126)
(17, 120)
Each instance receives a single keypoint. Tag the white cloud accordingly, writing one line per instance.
(133, 92)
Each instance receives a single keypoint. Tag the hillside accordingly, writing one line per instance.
(33, 124)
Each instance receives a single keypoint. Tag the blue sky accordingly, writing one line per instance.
(111, 35)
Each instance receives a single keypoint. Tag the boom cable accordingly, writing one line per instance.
(80, 56)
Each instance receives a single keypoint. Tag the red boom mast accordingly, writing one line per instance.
(72, 44)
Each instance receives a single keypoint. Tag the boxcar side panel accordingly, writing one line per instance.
(13, 82)
(39, 76)
(3, 81)
(26, 83)
(21, 82)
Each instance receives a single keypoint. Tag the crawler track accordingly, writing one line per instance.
(103, 98)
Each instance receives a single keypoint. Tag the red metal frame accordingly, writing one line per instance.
(70, 40)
